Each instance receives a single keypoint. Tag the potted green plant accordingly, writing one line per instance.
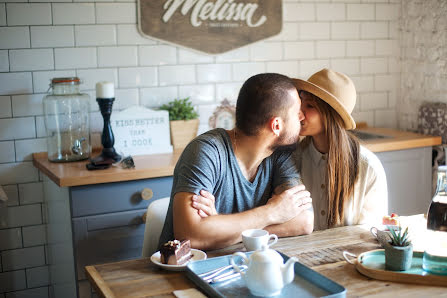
(183, 120)
(398, 251)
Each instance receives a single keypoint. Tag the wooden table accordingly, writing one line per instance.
(322, 251)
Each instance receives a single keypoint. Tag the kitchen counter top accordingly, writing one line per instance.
(76, 174)
(160, 165)
(397, 140)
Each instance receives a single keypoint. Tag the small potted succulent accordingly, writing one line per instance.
(398, 251)
(183, 120)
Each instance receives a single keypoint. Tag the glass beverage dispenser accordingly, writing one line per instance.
(435, 255)
(67, 121)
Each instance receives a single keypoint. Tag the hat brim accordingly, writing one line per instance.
(329, 98)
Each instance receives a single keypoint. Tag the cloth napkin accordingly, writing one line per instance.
(188, 293)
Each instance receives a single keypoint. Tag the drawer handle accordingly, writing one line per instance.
(147, 194)
(143, 217)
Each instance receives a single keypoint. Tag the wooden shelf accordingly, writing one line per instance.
(76, 174)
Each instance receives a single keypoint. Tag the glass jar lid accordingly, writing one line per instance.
(66, 81)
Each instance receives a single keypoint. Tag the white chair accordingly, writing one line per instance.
(155, 219)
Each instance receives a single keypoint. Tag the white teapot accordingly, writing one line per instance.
(266, 274)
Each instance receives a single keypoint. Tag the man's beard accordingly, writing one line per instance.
(286, 142)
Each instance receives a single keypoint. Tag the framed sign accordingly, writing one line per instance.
(210, 26)
(224, 116)
(140, 131)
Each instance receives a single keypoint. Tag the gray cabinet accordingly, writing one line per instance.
(94, 224)
(409, 178)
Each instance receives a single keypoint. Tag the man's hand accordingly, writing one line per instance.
(290, 203)
(204, 204)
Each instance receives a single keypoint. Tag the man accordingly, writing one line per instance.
(247, 170)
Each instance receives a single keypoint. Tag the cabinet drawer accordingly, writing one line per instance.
(115, 197)
(107, 238)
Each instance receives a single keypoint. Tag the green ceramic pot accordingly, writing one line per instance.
(398, 258)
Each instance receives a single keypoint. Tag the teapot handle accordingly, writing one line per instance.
(244, 258)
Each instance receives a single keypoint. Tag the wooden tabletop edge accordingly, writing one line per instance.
(98, 282)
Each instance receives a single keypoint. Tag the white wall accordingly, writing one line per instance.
(97, 41)
(424, 57)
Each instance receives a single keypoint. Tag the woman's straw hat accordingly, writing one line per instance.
(336, 89)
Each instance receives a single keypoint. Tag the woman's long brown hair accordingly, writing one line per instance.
(342, 162)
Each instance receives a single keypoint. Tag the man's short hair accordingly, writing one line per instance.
(261, 98)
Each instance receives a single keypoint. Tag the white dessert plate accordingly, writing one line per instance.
(196, 255)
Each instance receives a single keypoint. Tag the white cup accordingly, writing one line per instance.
(254, 239)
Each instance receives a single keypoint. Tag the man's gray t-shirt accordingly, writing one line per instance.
(209, 163)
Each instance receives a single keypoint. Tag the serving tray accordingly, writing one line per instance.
(372, 264)
(307, 282)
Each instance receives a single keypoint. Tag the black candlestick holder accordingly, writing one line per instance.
(108, 154)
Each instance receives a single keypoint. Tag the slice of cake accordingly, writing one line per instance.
(175, 252)
(391, 220)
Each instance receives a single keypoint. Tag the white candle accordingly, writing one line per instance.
(105, 90)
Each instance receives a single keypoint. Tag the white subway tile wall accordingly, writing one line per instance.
(71, 58)
(157, 96)
(116, 13)
(298, 50)
(99, 40)
(13, 280)
(117, 56)
(157, 55)
(5, 106)
(25, 148)
(31, 59)
(191, 57)
(15, 83)
(95, 35)
(4, 61)
(14, 37)
(73, 13)
(129, 35)
(37, 276)
(199, 94)
(7, 152)
(52, 36)
(138, 77)
(10, 238)
(2, 14)
(28, 14)
(91, 76)
(315, 30)
(34, 236)
(42, 79)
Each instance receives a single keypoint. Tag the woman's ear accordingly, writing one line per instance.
(276, 125)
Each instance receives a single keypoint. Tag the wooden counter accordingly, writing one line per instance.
(400, 140)
(160, 165)
(76, 174)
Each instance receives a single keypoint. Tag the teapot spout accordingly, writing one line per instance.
(288, 272)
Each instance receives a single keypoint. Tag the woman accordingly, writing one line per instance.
(347, 181)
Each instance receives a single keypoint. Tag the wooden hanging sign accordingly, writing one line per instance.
(210, 26)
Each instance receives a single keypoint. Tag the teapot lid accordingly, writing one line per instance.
(266, 255)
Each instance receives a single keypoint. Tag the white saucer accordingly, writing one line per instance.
(196, 255)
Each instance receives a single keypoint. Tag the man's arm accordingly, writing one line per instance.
(302, 224)
(218, 231)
